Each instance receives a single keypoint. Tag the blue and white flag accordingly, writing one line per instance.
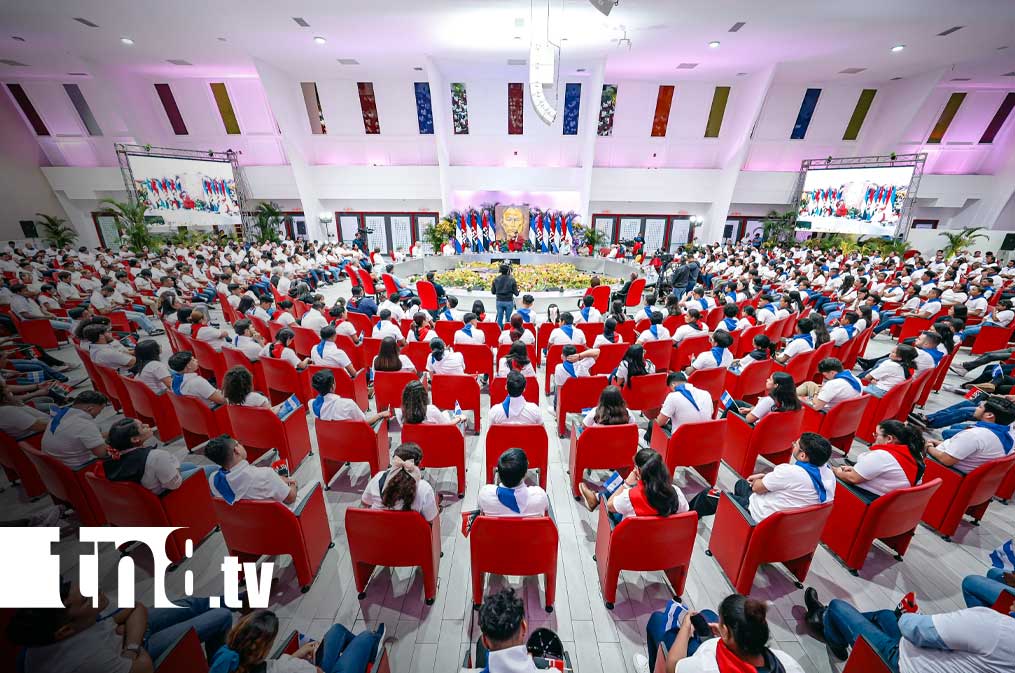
(1004, 557)
(613, 484)
(674, 615)
(726, 400)
(291, 404)
(458, 408)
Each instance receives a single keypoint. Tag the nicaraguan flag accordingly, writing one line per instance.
(726, 399)
(569, 237)
(674, 615)
(532, 231)
(554, 236)
(613, 484)
(458, 236)
(1004, 556)
(542, 234)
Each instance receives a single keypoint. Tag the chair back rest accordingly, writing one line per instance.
(659, 353)
(390, 287)
(609, 358)
(279, 374)
(645, 392)
(863, 658)
(60, 480)
(745, 344)
(658, 540)
(801, 366)
(543, 335)
(634, 292)
(532, 541)
(234, 357)
(344, 433)
(607, 439)
(504, 436)
(601, 298)
(591, 330)
(260, 324)
(388, 387)
(478, 358)
(891, 403)
(900, 511)
(981, 484)
(194, 414)
(498, 390)
(186, 655)
(257, 426)
(777, 430)
(434, 438)
(304, 341)
(752, 379)
(142, 398)
(446, 330)
(127, 503)
(427, 295)
(261, 526)
(844, 418)
(110, 381)
(367, 281)
(687, 349)
(712, 380)
(418, 352)
(580, 392)
(791, 533)
(371, 541)
(93, 373)
(491, 331)
(361, 322)
(916, 384)
(446, 389)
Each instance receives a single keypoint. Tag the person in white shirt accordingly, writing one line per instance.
(443, 361)
(502, 645)
(284, 316)
(238, 390)
(328, 406)
(805, 482)
(633, 364)
(202, 331)
(655, 331)
(838, 386)
(693, 326)
(328, 354)
(104, 350)
(588, 312)
(896, 460)
(1001, 316)
(27, 308)
(611, 410)
(899, 367)
(280, 349)
(574, 364)
(186, 381)
(512, 497)
(247, 339)
(683, 404)
(699, 301)
(72, 435)
(516, 360)
(416, 407)
(389, 359)
(515, 409)
(718, 356)
(392, 305)
(976, 305)
(566, 333)
(401, 487)
(846, 329)
(515, 331)
(314, 318)
(470, 333)
(421, 328)
(988, 439)
(766, 312)
(386, 327)
(236, 479)
(134, 456)
(801, 342)
(780, 395)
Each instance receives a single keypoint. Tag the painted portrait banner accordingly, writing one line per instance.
(512, 223)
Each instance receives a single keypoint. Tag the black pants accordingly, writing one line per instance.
(706, 505)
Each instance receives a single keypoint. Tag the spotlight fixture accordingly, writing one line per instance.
(320, 40)
(897, 48)
(604, 6)
(714, 44)
(127, 41)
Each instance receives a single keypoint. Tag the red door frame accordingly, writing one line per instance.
(361, 215)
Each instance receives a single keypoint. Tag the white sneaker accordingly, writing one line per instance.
(640, 663)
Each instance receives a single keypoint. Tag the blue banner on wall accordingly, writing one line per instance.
(572, 103)
(424, 109)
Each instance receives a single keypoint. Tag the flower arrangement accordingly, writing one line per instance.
(530, 277)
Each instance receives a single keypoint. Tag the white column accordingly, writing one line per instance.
(750, 99)
(285, 98)
(588, 129)
(439, 103)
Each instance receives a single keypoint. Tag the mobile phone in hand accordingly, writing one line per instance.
(701, 628)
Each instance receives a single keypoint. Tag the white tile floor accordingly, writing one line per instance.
(435, 638)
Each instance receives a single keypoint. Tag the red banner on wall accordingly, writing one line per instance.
(516, 107)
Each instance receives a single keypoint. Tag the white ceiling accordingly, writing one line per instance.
(809, 41)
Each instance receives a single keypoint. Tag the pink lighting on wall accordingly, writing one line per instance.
(563, 201)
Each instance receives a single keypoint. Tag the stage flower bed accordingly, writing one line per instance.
(530, 277)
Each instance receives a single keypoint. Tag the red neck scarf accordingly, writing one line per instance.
(640, 502)
(902, 455)
(731, 663)
(276, 349)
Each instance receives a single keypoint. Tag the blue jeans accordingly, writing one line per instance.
(832, 306)
(678, 292)
(885, 324)
(655, 634)
(872, 389)
(971, 331)
(843, 624)
(833, 316)
(504, 310)
(948, 433)
(36, 366)
(141, 319)
(957, 413)
(983, 591)
(166, 625)
(58, 324)
(342, 652)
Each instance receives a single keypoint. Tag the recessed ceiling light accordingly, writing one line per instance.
(898, 47)
(714, 44)
(320, 40)
(127, 41)
(18, 38)
(418, 69)
(221, 39)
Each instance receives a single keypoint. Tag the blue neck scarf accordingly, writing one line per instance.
(655, 330)
(767, 307)
(703, 303)
(507, 498)
(317, 404)
(58, 418)
(1002, 432)
(934, 353)
(568, 330)
(585, 313)
(524, 313)
(236, 341)
(648, 312)
(850, 330)
(731, 324)
(506, 406)
(226, 660)
(687, 395)
(320, 349)
(468, 330)
(814, 472)
(732, 296)
(177, 383)
(223, 487)
(806, 337)
(447, 314)
(717, 353)
(569, 368)
(848, 378)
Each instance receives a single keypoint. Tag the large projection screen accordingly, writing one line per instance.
(863, 201)
(185, 191)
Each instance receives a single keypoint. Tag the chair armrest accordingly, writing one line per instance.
(852, 489)
(172, 646)
(661, 654)
(948, 468)
(268, 457)
(298, 510)
(736, 505)
(291, 642)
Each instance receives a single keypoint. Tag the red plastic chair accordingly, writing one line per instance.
(371, 544)
(498, 390)
(610, 356)
(532, 438)
(478, 358)
(543, 340)
(17, 466)
(152, 409)
(554, 356)
(776, 329)
(916, 386)
(686, 351)
(443, 446)
(789, 537)
(350, 387)
(772, 437)
(93, 373)
(260, 430)
(750, 384)
(911, 328)
(446, 330)
(745, 341)
(859, 347)
(188, 509)
(863, 658)
(1007, 487)
(237, 358)
(634, 292)
(341, 442)
(598, 448)
(801, 366)
(533, 543)
(390, 287)
(367, 282)
(361, 322)
(939, 377)
(261, 326)
(210, 359)
(840, 423)
(283, 380)
(962, 493)
(447, 389)
(255, 528)
(491, 331)
(502, 351)
(696, 445)
(418, 352)
(305, 340)
(591, 330)
(68, 485)
(38, 332)
(991, 338)
(659, 353)
(388, 388)
(644, 544)
(645, 393)
(892, 518)
(115, 390)
(186, 655)
(600, 297)
(576, 394)
(711, 380)
(880, 408)
(199, 421)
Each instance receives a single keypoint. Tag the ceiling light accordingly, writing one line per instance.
(714, 44)
(320, 40)
(127, 41)
(897, 48)
(18, 38)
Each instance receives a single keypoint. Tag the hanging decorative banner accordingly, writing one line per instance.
(607, 106)
(572, 104)
(368, 105)
(662, 116)
(459, 109)
(516, 107)
(424, 108)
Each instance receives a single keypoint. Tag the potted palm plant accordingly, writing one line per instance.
(130, 220)
(56, 231)
(961, 240)
(267, 219)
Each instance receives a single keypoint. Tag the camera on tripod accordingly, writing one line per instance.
(363, 231)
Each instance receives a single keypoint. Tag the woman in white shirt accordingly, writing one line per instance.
(280, 350)
(609, 335)
(421, 328)
(285, 316)
(202, 331)
(896, 460)
(516, 332)
(389, 359)
(401, 487)
(647, 491)
(899, 367)
(611, 410)
(780, 396)
(416, 407)
(764, 349)
(517, 359)
(238, 389)
(443, 361)
(633, 364)
(148, 367)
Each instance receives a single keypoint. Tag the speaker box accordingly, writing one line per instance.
(1009, 242)
(29, 229)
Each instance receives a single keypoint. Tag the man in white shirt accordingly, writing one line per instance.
(691, 328)
(328, 406)
(989, 439)
(976, 305)
(838, 386)
(514, 408)
(502, 645)
(683, 404)
(391, 303)
(566, 333)
(470, 332)
(801, 342)
(239, 480)
(512, 497)
(314, 318)
(386, 327)
(328, 354)
(27, 308)
(105, 350)
(187, 382)
(845, 330)
(73, 436)
(655, 331)
(588, 312)
(574, 364)
(806, 482)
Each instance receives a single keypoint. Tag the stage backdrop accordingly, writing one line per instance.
(187, 191)
(512, 223)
